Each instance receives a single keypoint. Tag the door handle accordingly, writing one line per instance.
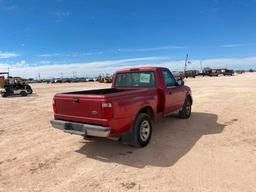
(170, 93)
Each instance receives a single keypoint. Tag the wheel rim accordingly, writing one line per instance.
(145, 130)
(188, 108)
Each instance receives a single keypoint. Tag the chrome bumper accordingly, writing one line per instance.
(81, 129)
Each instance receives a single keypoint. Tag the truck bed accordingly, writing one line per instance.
(86, 106)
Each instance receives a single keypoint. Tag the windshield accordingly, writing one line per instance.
(143, 79)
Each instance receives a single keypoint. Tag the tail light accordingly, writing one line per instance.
(54, 106)
(107, 110)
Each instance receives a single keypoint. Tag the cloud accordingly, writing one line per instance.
(44, 62)
(4, 55)
(21, 64)
(96, 67)
(232, 45)
(79, 54)
(246, 61)
(109, 66)
(152, 48)
(11, 8)
(50, 55)
(61, 15)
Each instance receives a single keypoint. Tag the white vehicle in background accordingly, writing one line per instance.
(13, 86)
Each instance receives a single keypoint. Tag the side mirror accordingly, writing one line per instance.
(180, 82)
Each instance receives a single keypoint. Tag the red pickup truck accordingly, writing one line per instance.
(138, 96)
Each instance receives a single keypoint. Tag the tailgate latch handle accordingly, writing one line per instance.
(76, 100)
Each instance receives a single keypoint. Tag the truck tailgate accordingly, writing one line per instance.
(79, 106)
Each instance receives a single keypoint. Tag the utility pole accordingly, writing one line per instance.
(39, 76)
(185, 68)
(201, 66)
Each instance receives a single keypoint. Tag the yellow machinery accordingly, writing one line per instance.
(2, 81)
(13, 86)
(104, 79)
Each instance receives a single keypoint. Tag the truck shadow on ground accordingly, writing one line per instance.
(172, 138)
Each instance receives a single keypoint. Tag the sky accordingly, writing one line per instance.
(88, 37)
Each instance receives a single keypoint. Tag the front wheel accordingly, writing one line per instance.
(185, 111)
(23, 93)
(30, 91)
(4, 94)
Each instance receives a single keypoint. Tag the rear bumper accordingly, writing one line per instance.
(81, 128)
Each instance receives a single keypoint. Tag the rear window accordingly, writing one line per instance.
(142, 79)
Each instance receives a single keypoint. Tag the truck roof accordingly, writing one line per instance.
(140, 69)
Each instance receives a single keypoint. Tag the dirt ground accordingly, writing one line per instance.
(214, 150)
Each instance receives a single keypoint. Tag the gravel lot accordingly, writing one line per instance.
(214, 150)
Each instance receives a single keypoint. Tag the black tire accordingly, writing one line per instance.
(88, 137)
(185, 111)
(30, 91)
(23, 93)
(4, 94)
(140, 133)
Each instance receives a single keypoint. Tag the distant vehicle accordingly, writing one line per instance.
(14, 86)
(191, 73)
(90, 80)
(138, 96)
(210, 72)
(58, 81)
(104, 79)
(240, 71)
(228, 72)
(178, 75)
(76, 80)
(66, 80)
(220, 71)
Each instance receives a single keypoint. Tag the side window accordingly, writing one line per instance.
(169, 79)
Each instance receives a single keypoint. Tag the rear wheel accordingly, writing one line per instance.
(140, 134)
(185, 111)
